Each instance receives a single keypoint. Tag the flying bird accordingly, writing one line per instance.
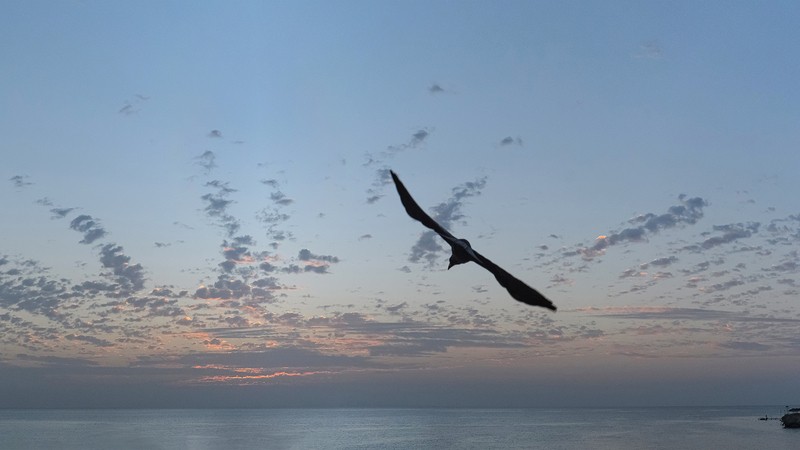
(463, 252)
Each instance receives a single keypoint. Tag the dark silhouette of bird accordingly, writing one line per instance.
(463, 252)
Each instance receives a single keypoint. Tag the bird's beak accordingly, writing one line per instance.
(449, 265)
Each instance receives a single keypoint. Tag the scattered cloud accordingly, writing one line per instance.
(316, 263)
(90, 228)
(20, 181)
(382, 177)
(435, 88)
(217, 204)
(687, 213)
(129, 276)
(206, 160)
(60, 213)
(130, 107)
(508, 140)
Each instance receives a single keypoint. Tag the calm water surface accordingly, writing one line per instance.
(627, 428)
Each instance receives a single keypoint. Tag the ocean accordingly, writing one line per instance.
(568, 428)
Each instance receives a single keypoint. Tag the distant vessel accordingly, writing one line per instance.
(791, 419)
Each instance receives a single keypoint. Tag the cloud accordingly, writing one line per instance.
(60, 213)
(673, 314)
(89, 339)
(508, 140)
(273, 216)
(396, 309)
(435, 88)
(217, 205)
(688, 212)
(660, 262)
(416, 339)
(129, 276)
(730, 233)
(224, 288)
(316, 263)
(271, 359)
(418, 138)
(20, 181)
(206, 161)
(270, 182)
(786, 266)
(722, 286)
(382, 177)
(237, 252)
(280, 198)
(132, 107)
(306, 255)
(91, 229)
(127, 109)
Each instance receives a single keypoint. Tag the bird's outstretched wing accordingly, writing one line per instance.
(413, 210)
(519, 290)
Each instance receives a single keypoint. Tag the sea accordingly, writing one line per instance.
(353, 428)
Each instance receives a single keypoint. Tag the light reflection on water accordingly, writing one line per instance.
(621, 428)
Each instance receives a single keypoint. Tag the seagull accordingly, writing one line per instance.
(463, 253)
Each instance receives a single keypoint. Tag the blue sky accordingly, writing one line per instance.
(198, 210)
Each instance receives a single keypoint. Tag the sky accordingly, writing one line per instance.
(197, 210)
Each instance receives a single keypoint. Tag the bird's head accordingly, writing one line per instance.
(455, 260)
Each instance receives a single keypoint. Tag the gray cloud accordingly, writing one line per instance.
(316, 263)
(129, 276)
(280, 198)
(24, 285)
(57, 361)
(270, 182)
(60, 213)
(217, 205)
(132, 107)
(688, 212)
(730, 233)
(20, 181)
(435, 88)
(660, 262)
(418, 138)
(89, 339)
(91, 230)
(786, 266)
(508, 140)
(206, 161)
(382, 177)
(273, 216)
(306, 255)
(127, 109)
